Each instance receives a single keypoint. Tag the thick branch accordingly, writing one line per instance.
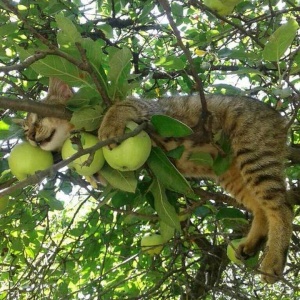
(42, 109)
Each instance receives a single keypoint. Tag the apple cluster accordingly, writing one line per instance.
(26, 159)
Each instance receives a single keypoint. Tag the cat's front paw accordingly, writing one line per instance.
(272, 267)
(109, 130)
(112, 126)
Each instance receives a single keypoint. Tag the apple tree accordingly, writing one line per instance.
(147, 233)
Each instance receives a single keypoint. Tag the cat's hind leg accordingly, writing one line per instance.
(263, 173)
(256, 236)
(233, 182)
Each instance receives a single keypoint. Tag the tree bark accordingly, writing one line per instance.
(42, 109)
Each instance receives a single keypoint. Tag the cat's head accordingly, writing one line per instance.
(47, 132)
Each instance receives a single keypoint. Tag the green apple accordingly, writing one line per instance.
(81, 165)
(131, 154)
(25, 160)
(231, 253)
(152, 244)
(222, 7)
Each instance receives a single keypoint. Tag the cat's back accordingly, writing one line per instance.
(233, 108)
(235, 114)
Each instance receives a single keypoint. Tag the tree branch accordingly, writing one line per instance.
(166, 6)
(40, 108)
(25, 64)
(82, 65)
(89, 68)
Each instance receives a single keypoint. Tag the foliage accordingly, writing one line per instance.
(65, 238)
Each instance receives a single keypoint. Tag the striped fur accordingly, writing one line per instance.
(255, 178)
(49, 133)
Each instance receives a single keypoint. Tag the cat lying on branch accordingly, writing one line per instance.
(255, 178)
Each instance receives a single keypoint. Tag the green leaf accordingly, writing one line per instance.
(120, 64)
(29, 252)
(170, 63)
(96, 58)
(55, 204)
(69, 30)
(166, 172)
(4, 130)
(221, 164)
(240, 54)
(223, 161)
(223, 141)
(107, 30)
(231, 218)
(202, 158)
(176, 153)
(59, 67)
(124, 181)
(203, 211)
(8, 29)
(165, 210)
(81, 99)
(50, 199)
(224, 88)
(166, 231)
(170, 127)
(55, 66)
(87, 118)
(176, 9)
(17, 245)
(121, 198)
(229, 213)
(280, 40)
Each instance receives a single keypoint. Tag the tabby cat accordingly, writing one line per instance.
(255, 178)
(49, 133)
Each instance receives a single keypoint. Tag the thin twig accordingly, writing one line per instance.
(205, 113)
(25, 64)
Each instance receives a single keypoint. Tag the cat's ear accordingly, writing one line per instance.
(58, 92)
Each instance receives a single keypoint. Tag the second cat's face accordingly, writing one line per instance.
(46, 133)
